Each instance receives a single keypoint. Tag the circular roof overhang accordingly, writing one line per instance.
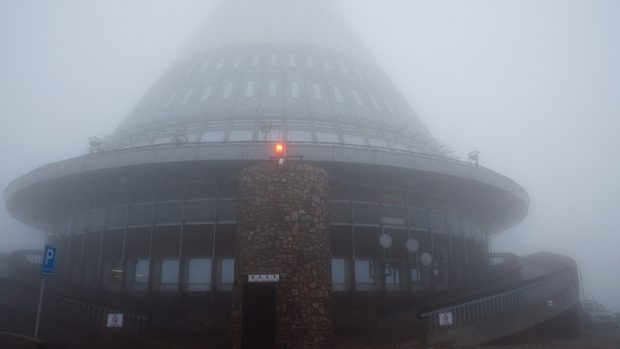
(31, 197)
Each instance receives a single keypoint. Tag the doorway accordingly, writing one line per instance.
(258, 327)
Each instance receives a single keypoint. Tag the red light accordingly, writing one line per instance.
(279, 149)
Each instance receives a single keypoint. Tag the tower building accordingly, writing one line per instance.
(187, 198)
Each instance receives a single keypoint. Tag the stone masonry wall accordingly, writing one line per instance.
(284, 229)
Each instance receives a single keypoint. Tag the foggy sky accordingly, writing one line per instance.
(533, 85)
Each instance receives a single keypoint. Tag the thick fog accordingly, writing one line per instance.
(533, 85)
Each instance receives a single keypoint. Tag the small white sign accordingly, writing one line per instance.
(115, 320)
(446, 319)
(264, 278)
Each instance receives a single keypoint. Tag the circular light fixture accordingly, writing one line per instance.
(279, 149)
(385, 240)
(413, 245)
(426, 259)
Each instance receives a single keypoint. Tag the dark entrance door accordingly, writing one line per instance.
(258, 328)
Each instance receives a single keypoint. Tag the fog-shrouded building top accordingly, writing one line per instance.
(265, 70)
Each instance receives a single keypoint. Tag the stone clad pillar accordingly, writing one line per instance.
(284, 230)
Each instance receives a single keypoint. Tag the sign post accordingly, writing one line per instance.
(47, 269)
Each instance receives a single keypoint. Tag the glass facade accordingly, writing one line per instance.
(277, 84)
(181, 237)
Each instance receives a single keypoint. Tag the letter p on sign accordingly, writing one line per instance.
(49, 260)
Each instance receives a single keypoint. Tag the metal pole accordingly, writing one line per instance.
(39, 308)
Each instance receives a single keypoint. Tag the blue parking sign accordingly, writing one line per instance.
(49, 260)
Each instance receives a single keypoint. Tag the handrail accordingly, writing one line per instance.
(89, 314)
(479, 309)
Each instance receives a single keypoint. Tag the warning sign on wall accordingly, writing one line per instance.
(446, 319)
(115, 320)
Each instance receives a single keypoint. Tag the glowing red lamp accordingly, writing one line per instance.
(279, 149)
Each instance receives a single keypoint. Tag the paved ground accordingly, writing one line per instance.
(590, 339)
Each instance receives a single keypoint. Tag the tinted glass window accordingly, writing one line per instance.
(170, 271)
(141, 274)
(364, 271)
(140, 214)
(169, 212)
(199, 211)
(199, 274)
(228, 271)
(338, 271)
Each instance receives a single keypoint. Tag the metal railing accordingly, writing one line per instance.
(88, 315)
(480, 309)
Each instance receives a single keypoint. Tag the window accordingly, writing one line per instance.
(339, 274)
(274, 60)
(453, 223)
(358, 73)
(241, 135)
(220, 64)
(255, 60)
(271, 135)
(366, 213)
(199, 211)
(199, 274)
(113, 274)
(273, 89)
(117, 216)
(340, 212)
(374, 103)
(190, 70)
(205, 65)
(338, 94)
(155, 104)
(169, 193)
(316, 89)
(168, 212)
(356, 97)
(438, 222)
(355, 140)
(164, 140)
(169, 273)
(227, 271)
(227, 211)
(392, 274)
(97, 219)
(300, 136)
(141, 274)
(170, 100)
(207, 94)
(394, 215)
(295, 89)
(249, 89)
(188, 95)
(390, 108)
(326, 137)
(418, 217)
(415, 275)
(213, 136)
(140, 214)
(378, 143)
(328, 65)
(310, 62)
(292, 61)
(228, 90)
(200, 191)
(364, 271)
